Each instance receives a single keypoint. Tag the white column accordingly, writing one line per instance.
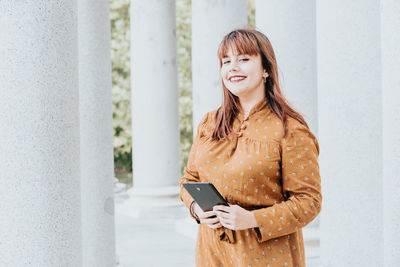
(40, 217)
(350, 132)
(390, 34)
(97, 167)
(290, 26)
(211, 21)
(155, 127)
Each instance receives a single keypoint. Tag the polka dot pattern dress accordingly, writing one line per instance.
(275, 178)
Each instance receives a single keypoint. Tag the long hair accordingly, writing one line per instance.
(252, 42)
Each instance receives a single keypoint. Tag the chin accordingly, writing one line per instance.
(237, 91)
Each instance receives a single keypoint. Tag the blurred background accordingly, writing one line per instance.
(120, 56)
(99, 101)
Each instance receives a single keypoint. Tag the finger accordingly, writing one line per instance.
(222, 208)
(227, 221)
(215, 226)
(198, 210)
(209, 213)
(223, 215)
(210, 221)
(227, 225)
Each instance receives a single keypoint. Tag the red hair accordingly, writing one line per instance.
(252, 42)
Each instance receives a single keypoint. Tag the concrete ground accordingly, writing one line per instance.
(170, 241)
(151, 242)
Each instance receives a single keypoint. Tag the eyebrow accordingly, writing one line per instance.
(236, 55)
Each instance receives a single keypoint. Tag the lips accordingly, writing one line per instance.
(236, 78)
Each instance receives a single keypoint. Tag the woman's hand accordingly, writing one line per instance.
(235, 217)
(204, 217)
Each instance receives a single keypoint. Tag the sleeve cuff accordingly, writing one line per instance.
(256, 230)
(193, 214)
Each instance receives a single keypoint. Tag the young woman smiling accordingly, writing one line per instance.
(261, 156)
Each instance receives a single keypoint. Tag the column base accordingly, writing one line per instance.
(153, 202)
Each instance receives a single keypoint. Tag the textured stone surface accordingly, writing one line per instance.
(155, 127)
(211, 21)
(290, 26)
(350, 132)
(390, 50)
(39, 149)
(96, 146)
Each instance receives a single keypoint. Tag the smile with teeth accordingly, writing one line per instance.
(237, 78)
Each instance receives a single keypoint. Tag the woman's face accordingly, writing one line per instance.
(242, 75)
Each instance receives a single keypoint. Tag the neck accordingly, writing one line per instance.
(249, 103)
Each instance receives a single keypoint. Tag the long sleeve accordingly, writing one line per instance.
(190, 173)
(301, 182)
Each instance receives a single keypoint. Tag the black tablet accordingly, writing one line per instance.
(205, 195)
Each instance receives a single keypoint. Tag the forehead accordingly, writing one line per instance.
(231, 53)
(233, 47)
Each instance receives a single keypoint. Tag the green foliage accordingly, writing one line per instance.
(251, 13)
(184, 48)
(120, 54)
(120, 57)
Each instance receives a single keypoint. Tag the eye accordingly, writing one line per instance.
(244, 59)
(225, 61)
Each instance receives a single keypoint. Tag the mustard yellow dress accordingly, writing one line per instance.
(276, 178)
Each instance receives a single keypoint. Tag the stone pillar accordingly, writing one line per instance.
(155, 126)
(211, 20)
(290, 26)
(40, 217)
(390, 39)
(350, 132)
(97, 158)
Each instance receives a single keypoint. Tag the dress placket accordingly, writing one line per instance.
(235, 137)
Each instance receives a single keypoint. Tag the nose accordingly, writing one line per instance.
(234, 66)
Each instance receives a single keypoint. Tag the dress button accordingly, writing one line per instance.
(243, 126)
(240, 134)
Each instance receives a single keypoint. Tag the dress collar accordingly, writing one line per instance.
(256, 108)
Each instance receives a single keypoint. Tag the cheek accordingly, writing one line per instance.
(222, 73)
(256, 74)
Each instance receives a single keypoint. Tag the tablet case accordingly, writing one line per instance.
(205, 195)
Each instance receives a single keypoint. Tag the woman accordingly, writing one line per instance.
(261, 156)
